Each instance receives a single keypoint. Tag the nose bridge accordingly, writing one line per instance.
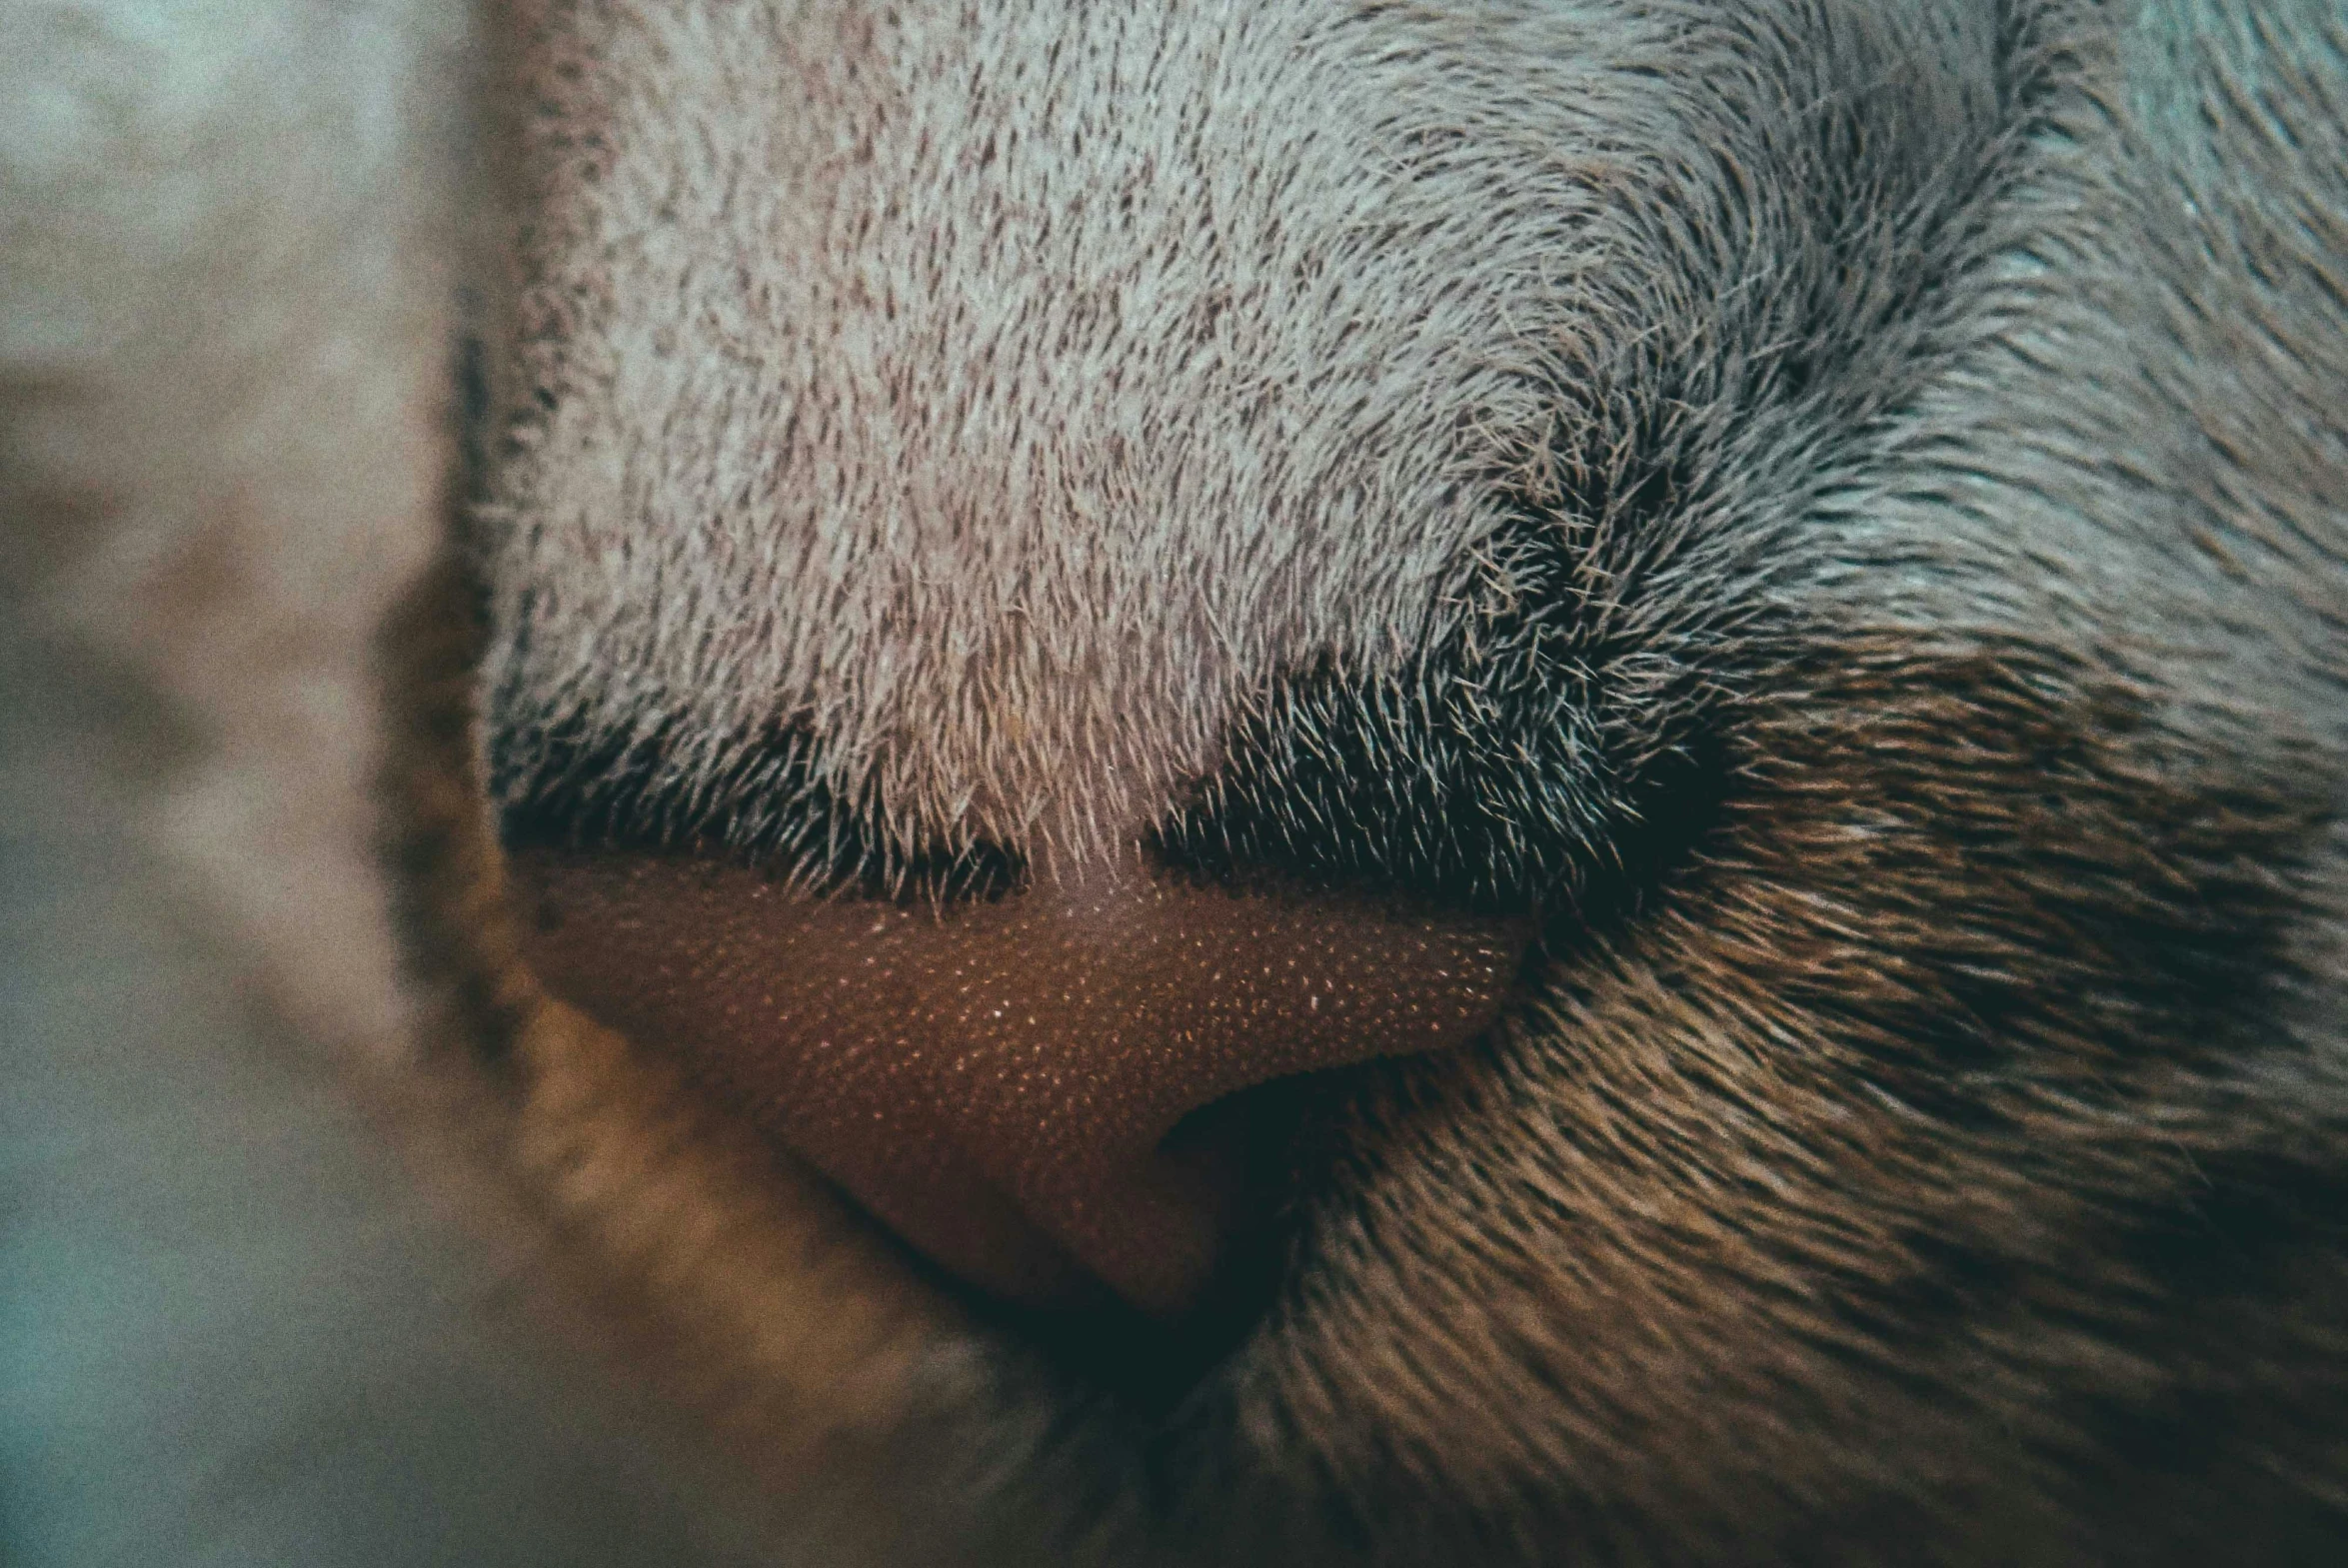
(1058, 730)
(1012, 1069)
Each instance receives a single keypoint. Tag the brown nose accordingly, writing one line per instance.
(995, 1082)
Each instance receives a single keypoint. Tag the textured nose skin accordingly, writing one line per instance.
(995, 1082)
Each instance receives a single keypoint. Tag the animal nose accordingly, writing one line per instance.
(995, 1082)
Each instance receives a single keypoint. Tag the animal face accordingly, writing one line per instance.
(1416, 784)
(1605, 471)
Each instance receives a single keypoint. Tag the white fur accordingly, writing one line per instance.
(876, 403)
(219, 222)
(873, 406)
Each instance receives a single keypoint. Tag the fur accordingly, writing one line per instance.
(1838, 505)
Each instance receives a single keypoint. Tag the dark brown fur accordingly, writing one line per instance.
(1926, 1141)
(1907, 666)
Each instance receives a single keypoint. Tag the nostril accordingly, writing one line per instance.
(1248, 1150)
(1052, 1092)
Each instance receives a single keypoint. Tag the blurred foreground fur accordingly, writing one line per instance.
(1938, 1155)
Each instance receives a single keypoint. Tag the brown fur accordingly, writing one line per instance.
(1840, 503)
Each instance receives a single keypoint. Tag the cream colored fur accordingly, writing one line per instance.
(228, 240)
(834, 379)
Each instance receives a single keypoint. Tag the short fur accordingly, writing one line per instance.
(1838, 505)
